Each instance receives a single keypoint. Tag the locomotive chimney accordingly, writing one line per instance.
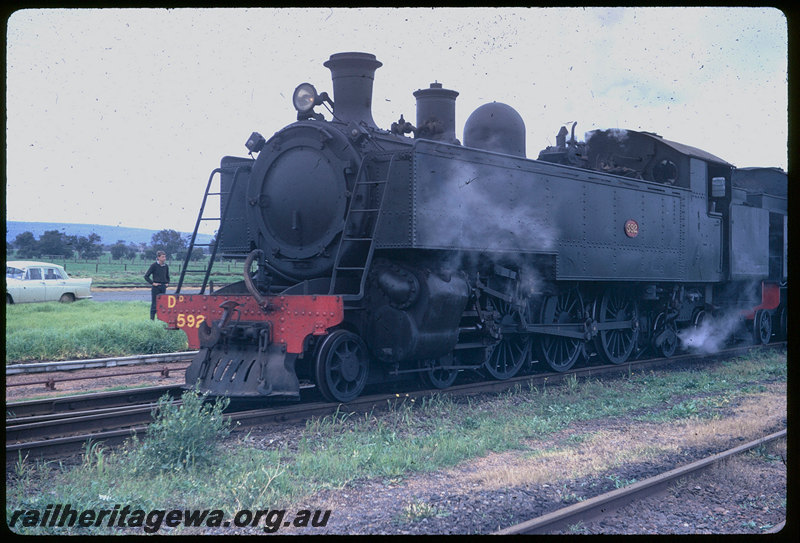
(436, 114)
(353, 74)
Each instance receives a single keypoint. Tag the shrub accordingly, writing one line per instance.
(183, 434)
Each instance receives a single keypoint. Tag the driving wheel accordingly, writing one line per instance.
(561, 352)
(514, 348)
(615, 345)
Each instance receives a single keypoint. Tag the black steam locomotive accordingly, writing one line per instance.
(371, 254)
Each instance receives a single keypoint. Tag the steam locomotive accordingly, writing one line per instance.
(374, 254)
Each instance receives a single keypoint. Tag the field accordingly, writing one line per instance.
(106, 272)
(85, 329)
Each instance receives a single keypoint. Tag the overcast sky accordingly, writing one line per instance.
(118, 116)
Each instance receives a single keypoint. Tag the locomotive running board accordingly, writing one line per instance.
(244, 371)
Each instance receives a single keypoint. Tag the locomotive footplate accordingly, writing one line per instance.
(247, 349)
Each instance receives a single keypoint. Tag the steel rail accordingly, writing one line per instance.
(66, 445)
(50, 383)
(86, 402)
(68, 365)
(80, 423)
(306, 410)
(600, 505)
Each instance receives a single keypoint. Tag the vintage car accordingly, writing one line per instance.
(43, 282)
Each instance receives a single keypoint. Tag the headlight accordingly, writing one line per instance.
(304, 97)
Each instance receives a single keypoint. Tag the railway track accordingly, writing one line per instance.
(112, 362)
(61, 426)
(86, 402)
(600, 506)
(49, 375)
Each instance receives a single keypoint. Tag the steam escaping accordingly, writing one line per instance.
(473, 207)
(712, 334)
(485, 212)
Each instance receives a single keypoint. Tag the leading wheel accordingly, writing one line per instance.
(615, 345)
(561, 352)
(514, 349)
(435, 375)
(341, 366)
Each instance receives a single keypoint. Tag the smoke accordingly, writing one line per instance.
(620, 135)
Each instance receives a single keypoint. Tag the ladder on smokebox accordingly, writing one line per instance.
(360, 243)
(201, 219)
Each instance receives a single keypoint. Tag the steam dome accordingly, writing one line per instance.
(496, 127)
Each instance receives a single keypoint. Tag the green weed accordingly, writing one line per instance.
(762, 452)
(418, 510)
(619, 482)
(183, 434)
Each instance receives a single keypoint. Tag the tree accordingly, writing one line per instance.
(168, 241)
(130, 251)
(123, 250)
(26, 245)
(89, 247)
(149, 253)
(118, 250)
(197, 254)
(55, 243)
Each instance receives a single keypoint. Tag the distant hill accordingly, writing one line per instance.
(109, 234)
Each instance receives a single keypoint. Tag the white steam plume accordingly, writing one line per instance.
(712, 334)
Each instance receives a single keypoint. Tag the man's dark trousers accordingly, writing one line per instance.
(154, 292)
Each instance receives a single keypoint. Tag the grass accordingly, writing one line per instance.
(411, 437)
(85, 329)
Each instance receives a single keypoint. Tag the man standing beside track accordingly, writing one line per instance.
(158, 277)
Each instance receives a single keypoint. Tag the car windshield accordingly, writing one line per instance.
(14, 273)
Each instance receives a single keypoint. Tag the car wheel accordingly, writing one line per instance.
(9, 299)
(67, 298)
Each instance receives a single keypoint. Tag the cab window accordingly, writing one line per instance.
(14, 273)
(52, 273)
(34, 274)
